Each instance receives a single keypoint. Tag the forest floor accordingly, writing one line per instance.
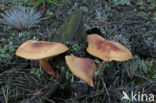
(130, 22)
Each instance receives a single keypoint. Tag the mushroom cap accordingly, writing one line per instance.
(107, 50)
(83, 68)
(35, 50)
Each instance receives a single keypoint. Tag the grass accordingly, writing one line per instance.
(21, 18)
(5, 94)
(132, 23)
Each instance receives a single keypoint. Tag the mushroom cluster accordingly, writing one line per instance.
(83, 68)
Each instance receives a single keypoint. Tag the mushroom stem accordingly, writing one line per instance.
(46, 66)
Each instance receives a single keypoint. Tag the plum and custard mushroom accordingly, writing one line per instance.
(107, 50)
(40, 50)
(83, 68)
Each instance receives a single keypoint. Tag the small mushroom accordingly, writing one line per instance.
(40, 50)
(107, 50)
(83, 68)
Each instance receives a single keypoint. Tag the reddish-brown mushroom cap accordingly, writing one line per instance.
(107, 50)
(39, 50)
(83, 68)
(35, 50)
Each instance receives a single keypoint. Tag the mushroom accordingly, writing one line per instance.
(107, 50)
(83, 68)
(40, 50)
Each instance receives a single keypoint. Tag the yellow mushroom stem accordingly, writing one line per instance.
(46, 66)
